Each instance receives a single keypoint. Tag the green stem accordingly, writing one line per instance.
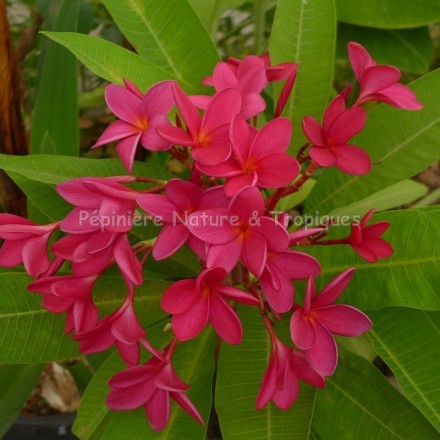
(260, 21)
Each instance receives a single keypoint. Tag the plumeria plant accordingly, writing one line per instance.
(213, 265)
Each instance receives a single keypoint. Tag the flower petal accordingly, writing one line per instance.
(224, 320)
(302, 330)
(191, 322)
(323, 355)
(179, 296)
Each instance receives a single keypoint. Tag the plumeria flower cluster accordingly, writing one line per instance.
(224, 212)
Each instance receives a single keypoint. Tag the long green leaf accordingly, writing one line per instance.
(400, 144)
(305, 32)
(239, 374)
(408, 278)
(394, 196)
(390, 13)
(410, 50)
(31, 334)
(110, 61)
(16, 383)
(56, 103)
(409, 342)
(194, 363)
(168, 34)
(358, 403)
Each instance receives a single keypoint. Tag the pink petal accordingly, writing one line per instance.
(254, 253)
(188, 111)
(158, 206)
(380, 247)
(274, 233)
(223, 107)
(333, 290)
(276, 170)
(183, 401)
(159, 99)
(225, 255)
(127, 328)
(169, 380)
(229, 168)
(313, 131)
(158, 409)
(376, 229)
(171, 238)
(11, 253)
(115, 131)
(200, 101)
(304, 372)
(274, 137)
(35, 258)
(56, 304)
(235, 184)
(280, 298)
(352, 160)
(126, 150)
(191, 322)
(323, 355)
(323, 156)
(123, 103)
(212, 226)
(215, 149)
(298, 235)
(334, 110)
(268, 386)
(183, 194)
(132, 88)
(126, 260)
(377, 78)
(236, 295)
(130, 353)
(224, 320)
(252, 105)
(179, 296)
(399, 96)
(239, 135)
(296, 265)
(365, 252)
(130, 397)
(360, 59)
(224, 77)
(343, 320)
(285, 397)
(131, 376)
(248, 204)
(151, 139)
(302, 330)
(347, 125)
(175, 135)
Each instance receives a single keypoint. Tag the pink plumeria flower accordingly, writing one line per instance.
(139, 116)
(379, 83)
(120, 328)
(208, 135)
(25, 243)
(71, 294)
(312, 325)
(283, 266)
(260, 158)
(248, 76)
(330, 145)
(93, 252)
(181, 199)
(366, 241)
(281, 380)
(195, 302)
(150, 385)
(241, 231)
(100, 204)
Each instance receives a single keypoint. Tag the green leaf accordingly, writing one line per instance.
(409, 342)
(16, 383)
(168, 34)
(193, 362)
(392, 197)
(389, 14)
(358, 403)
(408, 278)
(239, 374)
(110, 61)
(296, 198)
(400, 144)
(410, 50)
(305, 32)
(56, 102)
(210, 11)
(31, 334)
